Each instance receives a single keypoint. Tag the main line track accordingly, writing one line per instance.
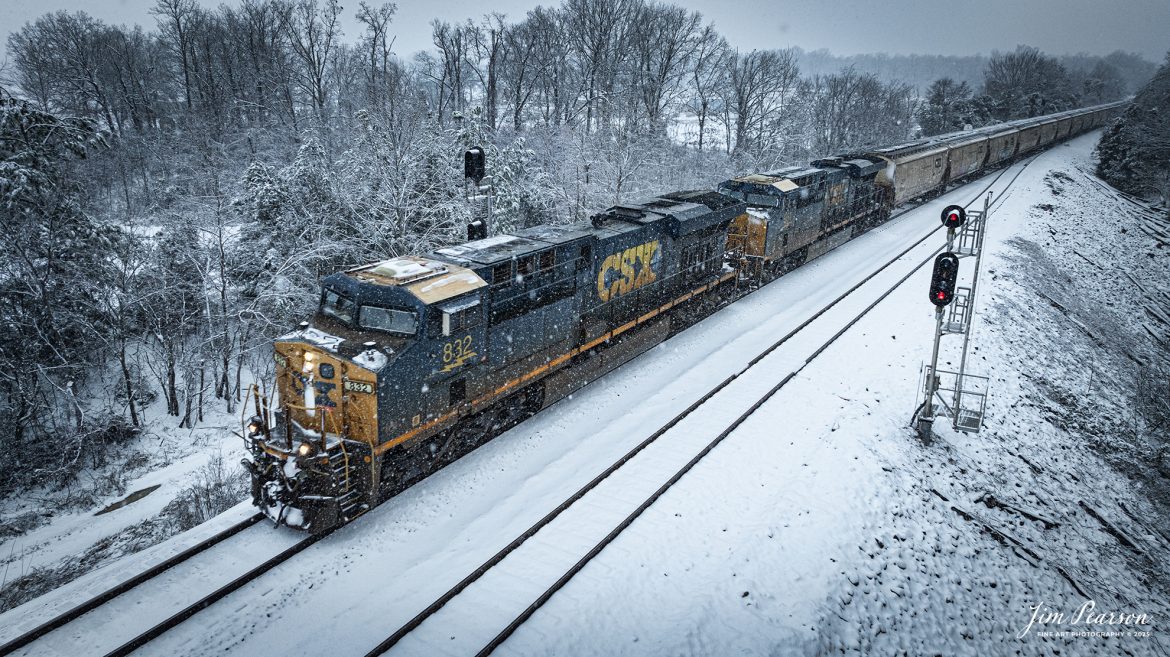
(72, 614)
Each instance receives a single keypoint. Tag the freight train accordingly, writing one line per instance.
(411, 362)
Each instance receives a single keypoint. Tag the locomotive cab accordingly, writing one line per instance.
(349, 380)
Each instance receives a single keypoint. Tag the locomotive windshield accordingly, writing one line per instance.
(393, 320)
(336, 305)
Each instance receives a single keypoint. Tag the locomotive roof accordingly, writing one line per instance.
(781, 181)
(797, 174)
(557, 234)
(492, 249)
(428, 280)
(862, 167)
(682, 212)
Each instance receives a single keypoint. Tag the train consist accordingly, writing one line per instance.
(412, 362)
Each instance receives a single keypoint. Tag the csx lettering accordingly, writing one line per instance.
(628, 270)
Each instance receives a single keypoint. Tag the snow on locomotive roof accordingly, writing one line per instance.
(403, 270)
(557, 234)
(429, 280)
(769, 182)
(477, 245)
(491, 249)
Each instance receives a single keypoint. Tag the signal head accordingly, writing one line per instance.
(474, 164)
(942, 280)
(954, 216)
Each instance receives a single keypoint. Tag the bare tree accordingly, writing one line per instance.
(487, 45)
(599, 31)
(554, 72)
(313, 32)
(663, 41)
(377, 50)
(452, 42)
(851, 110)
(174, 19)
(710, 53)
(518, 67)
(760, 89)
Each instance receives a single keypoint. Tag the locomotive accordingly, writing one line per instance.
(412, 362)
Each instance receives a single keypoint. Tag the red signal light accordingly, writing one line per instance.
(942, 280)
(954, 216)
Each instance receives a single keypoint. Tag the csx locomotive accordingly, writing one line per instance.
(412, 362)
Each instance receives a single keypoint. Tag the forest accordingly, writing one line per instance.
(172, 193)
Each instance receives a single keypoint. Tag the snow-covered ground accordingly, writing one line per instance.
(67, 539)
(821, 525)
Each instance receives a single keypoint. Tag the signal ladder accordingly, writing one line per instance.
(959, 396)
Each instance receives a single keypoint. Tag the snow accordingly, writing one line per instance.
(69, 535)
(468, 277)
(820, 524)
(318, 337)
(405, 268)
(371, 359)
(477, 245)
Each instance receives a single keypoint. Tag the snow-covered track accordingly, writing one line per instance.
(215, 596)
(575, 500)
(93, 603)
(220, 563)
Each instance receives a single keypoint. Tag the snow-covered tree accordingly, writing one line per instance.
(1135, 149)
(52, 280)
(1025, 83)
(946, 107)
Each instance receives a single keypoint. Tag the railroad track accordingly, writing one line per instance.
(177, 618)
(65, 619)
(72, 614)
(554, 520)
(215, 596)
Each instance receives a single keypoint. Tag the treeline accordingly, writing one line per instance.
(173, 194)
(923, 70)
(1027, 83)
(1134, 152)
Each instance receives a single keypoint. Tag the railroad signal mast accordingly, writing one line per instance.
(474, 172)
(963, 398)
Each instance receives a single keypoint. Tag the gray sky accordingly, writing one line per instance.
(844, 26)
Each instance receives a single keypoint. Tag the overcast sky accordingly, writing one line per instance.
(843, 26)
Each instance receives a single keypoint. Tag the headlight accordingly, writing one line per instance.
(305, 449)
(255, 426)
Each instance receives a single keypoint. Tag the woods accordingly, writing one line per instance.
(174, 192)
(1134, 151)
